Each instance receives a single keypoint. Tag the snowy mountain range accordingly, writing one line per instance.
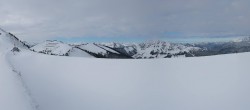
(146, 50)
(81, 50)
(154, 49)
(37, 81)
(42, 80)
(217, 48)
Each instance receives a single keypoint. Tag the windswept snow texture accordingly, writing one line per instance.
(203, 83)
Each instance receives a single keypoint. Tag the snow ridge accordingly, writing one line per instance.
(14, 95)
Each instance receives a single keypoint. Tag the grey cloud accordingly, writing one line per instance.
(43, 19)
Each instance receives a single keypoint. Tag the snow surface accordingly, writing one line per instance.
(108, 49)
(93, 48)
(54, 47)
(144, 49)
(60, 48)
(12, 93)
(153, 49)
(75, 52)
(201, 83)
(75, 83)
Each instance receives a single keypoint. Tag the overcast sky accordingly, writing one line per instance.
(38, 20)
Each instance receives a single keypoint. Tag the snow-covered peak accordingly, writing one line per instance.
(52, 47)
(154, 44)
(8, 41)
(162, 49)
(152, 49)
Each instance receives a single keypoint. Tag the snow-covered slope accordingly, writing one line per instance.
(73, 83)
(93, 48)
(13, 95)
(205, 83)
(101, 51)
(154, 49)
(75, 52)
(59, 48)
(9, 40)
(96, 48)
(52, 47)
(126, 48)
(161, 49)
(145, 50)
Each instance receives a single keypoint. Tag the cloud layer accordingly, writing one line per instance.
(46, 19)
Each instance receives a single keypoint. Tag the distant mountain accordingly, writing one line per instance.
(154, 49)
(54, 47)
(145, 50)
(217, 48)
